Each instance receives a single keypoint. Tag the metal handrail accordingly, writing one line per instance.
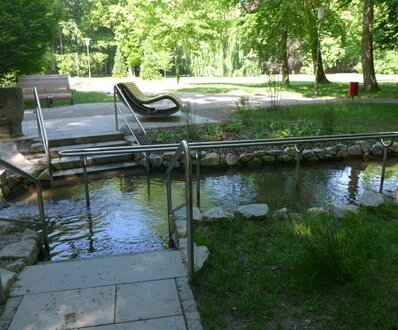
(118, 92)
(227, 144)
(183, 148)
(198, 146)
(42, 223)
(42, 130)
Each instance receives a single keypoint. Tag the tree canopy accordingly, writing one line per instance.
(198, 37)
(27, 29)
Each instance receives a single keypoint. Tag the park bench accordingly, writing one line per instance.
(49, 87)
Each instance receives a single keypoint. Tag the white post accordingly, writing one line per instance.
(87, 42)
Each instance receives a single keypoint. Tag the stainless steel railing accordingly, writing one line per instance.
(42, 130)
(197, 147)
(117, 92)
(183, 148)
(42, 223)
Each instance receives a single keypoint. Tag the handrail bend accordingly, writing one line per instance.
(42, 129)
(118, 92)
(42, 223)
(183, 148)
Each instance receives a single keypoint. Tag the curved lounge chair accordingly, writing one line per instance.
(141, 103)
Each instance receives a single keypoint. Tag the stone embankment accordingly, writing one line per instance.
(359, 150)
(17, 249)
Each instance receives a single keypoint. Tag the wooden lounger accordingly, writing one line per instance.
(145, 105)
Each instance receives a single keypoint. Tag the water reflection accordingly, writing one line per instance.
(128, 214)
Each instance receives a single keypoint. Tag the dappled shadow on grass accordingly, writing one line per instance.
(311, 271)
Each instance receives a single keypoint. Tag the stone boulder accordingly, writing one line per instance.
(340, 211)
(231, 159)
(281, 214)
(253, 210)
(25, 250)
(217, 214)
(371, 199)
(201, 253)
(210, 160)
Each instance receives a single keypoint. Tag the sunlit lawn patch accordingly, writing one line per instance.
(314, 271)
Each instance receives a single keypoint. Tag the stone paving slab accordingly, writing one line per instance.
(68, 275)
(148, 290)
(65, 309)
(80, 124)
(164, 323)
(150, 300)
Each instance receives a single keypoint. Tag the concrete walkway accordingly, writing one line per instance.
(146, 291)
(90, 119)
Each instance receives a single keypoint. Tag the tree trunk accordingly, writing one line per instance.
(319, 72)
(284, 59)
(369, 75)
(177, 63)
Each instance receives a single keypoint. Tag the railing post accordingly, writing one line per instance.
(43, 219)
(188, 197)
(1, 291)
(299, 151)
(198, 158)
(115, 106)
(83, 160)
(383, 169)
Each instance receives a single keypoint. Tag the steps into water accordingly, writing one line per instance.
(71, 167)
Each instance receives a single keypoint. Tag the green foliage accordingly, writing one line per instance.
(274, 274)
(150, 67)
(386, 62)
(26, 31)
(77, 64)
(120, 67)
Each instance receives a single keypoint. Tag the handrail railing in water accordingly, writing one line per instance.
(117, 91)
(42, 129)
(198, 146)
(183, 148)
(42, 223)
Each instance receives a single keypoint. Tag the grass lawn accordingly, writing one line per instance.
(313, 272)
(78, 97)
(295, 120)
(336, 89)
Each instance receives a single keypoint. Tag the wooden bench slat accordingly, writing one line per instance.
(54, 85)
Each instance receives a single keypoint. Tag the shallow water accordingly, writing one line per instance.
(129, 214)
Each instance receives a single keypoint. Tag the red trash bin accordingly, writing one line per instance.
(353, 89)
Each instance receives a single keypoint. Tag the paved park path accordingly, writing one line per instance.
(143, 291)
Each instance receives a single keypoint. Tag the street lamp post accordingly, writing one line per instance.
(321, 15)
(87, 43)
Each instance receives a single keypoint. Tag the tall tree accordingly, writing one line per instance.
(27, 29)
(369, 75)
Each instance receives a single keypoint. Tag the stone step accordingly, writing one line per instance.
(93, 138)
(116, 143)
(76, 172)
(74, 162)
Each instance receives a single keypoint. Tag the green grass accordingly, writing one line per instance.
(78, 97)
(326, 118)
(336, 89)
(313, 271)
(295, 120)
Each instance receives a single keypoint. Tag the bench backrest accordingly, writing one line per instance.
(50, 84)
